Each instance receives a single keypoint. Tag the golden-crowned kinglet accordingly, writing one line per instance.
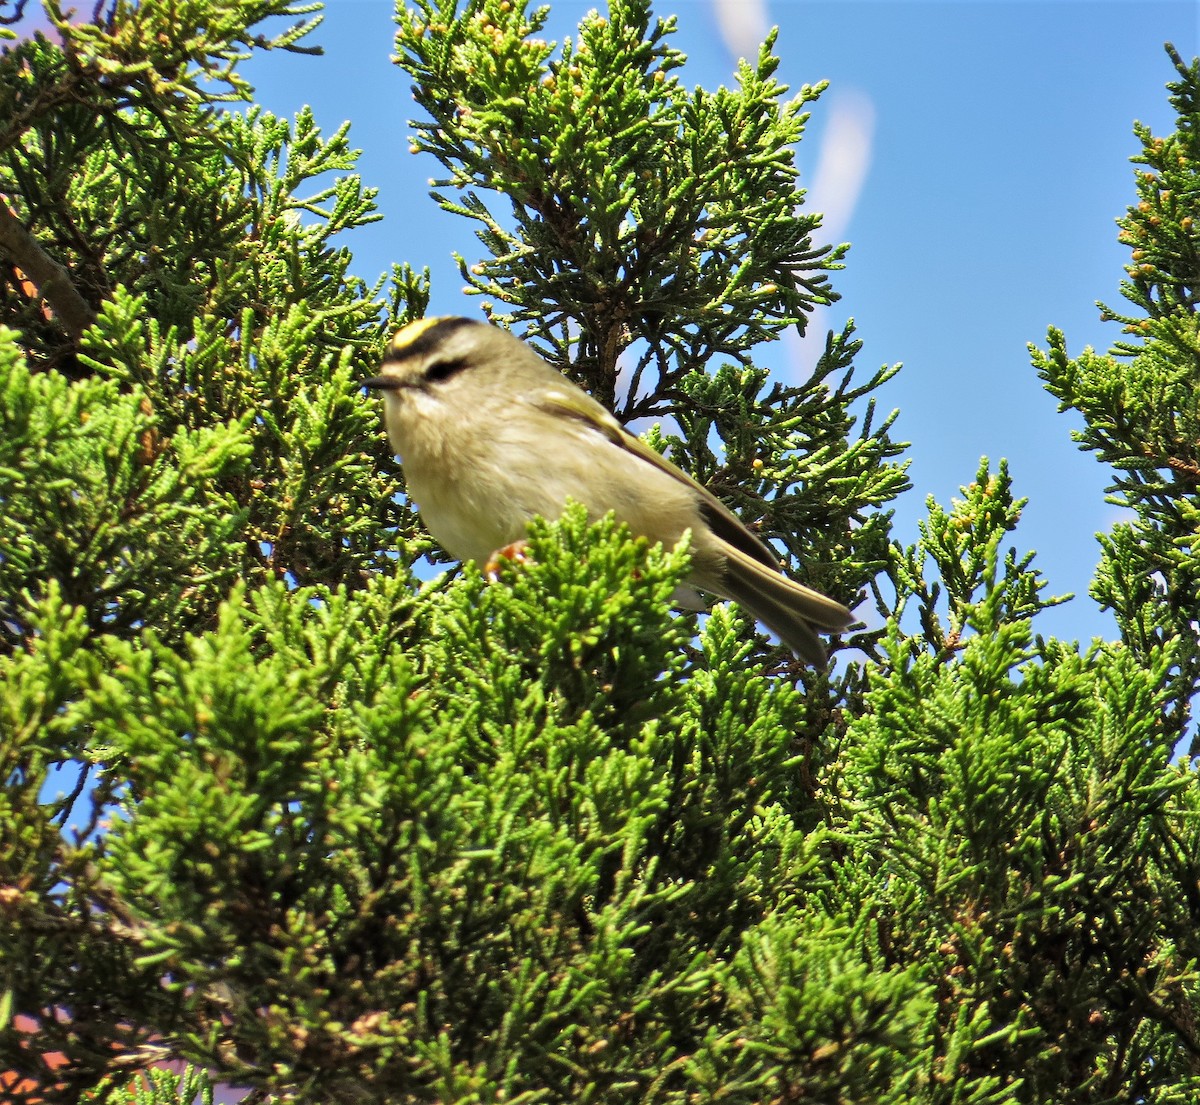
(490, 435)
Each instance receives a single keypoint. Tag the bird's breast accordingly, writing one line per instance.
(478, 488)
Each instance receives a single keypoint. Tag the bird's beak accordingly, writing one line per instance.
(383, 383)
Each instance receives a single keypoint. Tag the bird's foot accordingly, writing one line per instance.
(516, 552)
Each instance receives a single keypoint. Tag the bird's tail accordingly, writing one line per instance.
(794, 612)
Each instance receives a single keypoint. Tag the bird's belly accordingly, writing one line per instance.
(488, 502)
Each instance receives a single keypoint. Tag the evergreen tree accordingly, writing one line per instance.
(342, 833)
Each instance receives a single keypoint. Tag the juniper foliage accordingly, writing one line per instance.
(337, 831)
(1138, 409)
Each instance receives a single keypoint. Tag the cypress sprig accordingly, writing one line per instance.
(631, 198)
(1138, 403)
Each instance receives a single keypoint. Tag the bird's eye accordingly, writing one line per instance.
(443, 370)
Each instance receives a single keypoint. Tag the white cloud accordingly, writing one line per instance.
(843, 157)
(843, 160)
(743, 25)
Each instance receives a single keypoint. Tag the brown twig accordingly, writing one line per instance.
(1186, 468)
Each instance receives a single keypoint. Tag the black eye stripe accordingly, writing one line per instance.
(443, 370)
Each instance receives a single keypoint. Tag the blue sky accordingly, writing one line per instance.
(974, 153)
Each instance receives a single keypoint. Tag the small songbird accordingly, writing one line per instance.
(490, 435)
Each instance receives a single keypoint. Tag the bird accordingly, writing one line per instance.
(490, 436)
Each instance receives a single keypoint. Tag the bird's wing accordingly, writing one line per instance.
(723, 522)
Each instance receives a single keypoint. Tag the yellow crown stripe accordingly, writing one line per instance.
(406, 335)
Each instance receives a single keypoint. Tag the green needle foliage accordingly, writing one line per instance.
(1139, 409)
(280, 811)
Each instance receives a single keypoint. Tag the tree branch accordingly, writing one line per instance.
(53, 282)
(17, 15)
